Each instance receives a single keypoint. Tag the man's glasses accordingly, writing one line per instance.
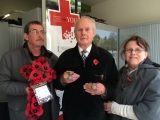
(36, 32)
(136, 50)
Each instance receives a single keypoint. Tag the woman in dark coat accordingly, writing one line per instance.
(137, 95)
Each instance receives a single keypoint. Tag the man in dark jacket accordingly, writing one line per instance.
(14, 85)
(87, 74)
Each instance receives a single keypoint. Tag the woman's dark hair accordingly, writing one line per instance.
(26, 28)
(140, 42)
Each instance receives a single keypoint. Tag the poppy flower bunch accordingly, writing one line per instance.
(37, 72)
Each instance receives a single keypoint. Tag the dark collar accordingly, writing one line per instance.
(44, 52)
(148, 61)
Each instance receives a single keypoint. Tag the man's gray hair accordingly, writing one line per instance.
(87, 17)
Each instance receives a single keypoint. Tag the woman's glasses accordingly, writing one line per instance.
(136, 50)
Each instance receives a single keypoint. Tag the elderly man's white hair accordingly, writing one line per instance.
(92, 20)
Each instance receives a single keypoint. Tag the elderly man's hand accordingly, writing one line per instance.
(69, 77)
(94, 88)
(107, 107)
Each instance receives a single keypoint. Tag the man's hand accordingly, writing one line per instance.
(107, 107)
(94, 88)
(69, 78)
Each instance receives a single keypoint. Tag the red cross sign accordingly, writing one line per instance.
(64, 18)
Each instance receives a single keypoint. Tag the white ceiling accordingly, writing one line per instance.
(92, 2)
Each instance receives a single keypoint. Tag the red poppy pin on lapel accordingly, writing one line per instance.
(95, 62)
(128, 79)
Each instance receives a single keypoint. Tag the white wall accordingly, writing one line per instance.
(32, 15)
(127, 12)
(106, 27)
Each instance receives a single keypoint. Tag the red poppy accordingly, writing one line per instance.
(51, 75)
(95, 61)
(35, 107)
(34, 117)
(46, 67)
(24, 69)
(28, 112)
(41, 59)
(36, 65)
(128, 79)
(44, 77)
(35, 74)
(26, 75)
(38, 110)
(30, 68)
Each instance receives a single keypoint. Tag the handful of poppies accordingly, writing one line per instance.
(36, 73)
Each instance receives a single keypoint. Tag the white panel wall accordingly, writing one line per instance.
(4, 38)
(32, 15)
(16, 36)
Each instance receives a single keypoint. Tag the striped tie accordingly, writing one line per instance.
(83, 54)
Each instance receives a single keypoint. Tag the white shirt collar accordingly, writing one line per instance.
(88, 50)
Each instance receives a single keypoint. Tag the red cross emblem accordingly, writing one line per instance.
(64, 18)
